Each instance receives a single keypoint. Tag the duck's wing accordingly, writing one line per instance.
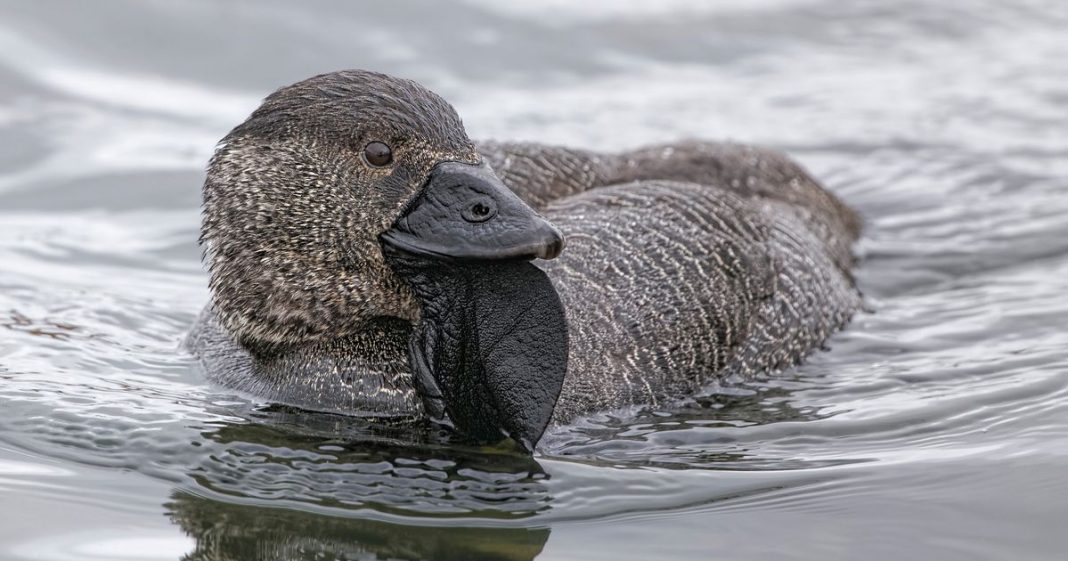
(685, 263)
(663, 283)
(670, 285)
(541, 174)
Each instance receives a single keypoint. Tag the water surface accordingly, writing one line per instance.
(936, 427)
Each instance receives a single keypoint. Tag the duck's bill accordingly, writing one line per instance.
(490, 352)
(464, 212)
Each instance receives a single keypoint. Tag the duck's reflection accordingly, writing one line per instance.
(286, 468)
(288, 484)
(354, 464)
(226, 531)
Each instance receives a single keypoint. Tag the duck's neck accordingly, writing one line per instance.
(365, 373)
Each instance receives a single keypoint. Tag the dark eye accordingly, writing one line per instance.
(378, 154)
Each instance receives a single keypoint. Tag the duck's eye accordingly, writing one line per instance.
(378, 154)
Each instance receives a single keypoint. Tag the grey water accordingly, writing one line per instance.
(934, 427)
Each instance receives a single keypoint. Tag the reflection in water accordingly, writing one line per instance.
(334, 461)
(287, 457)
(225, 531)
(262, 475)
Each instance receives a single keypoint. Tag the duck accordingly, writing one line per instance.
(366, 258)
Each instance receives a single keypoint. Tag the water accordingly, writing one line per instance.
(935, 428)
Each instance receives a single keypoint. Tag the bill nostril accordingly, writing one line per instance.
(480, 211)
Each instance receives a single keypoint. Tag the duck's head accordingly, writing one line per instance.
(354, 195)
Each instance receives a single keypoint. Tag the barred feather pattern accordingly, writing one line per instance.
(672, 284)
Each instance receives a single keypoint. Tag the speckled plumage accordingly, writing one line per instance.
(684, 263)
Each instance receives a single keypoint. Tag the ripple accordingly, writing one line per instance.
(937, 416)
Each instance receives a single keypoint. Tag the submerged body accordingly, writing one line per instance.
(684, 264)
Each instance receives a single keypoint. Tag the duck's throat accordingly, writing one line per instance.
(490, 351)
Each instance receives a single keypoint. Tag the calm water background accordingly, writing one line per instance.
(936, 428)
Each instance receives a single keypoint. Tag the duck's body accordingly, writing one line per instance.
(684, 264)
(673, 277)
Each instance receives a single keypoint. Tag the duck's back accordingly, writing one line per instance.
(685, 264)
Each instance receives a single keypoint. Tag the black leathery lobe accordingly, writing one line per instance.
(491, 346)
